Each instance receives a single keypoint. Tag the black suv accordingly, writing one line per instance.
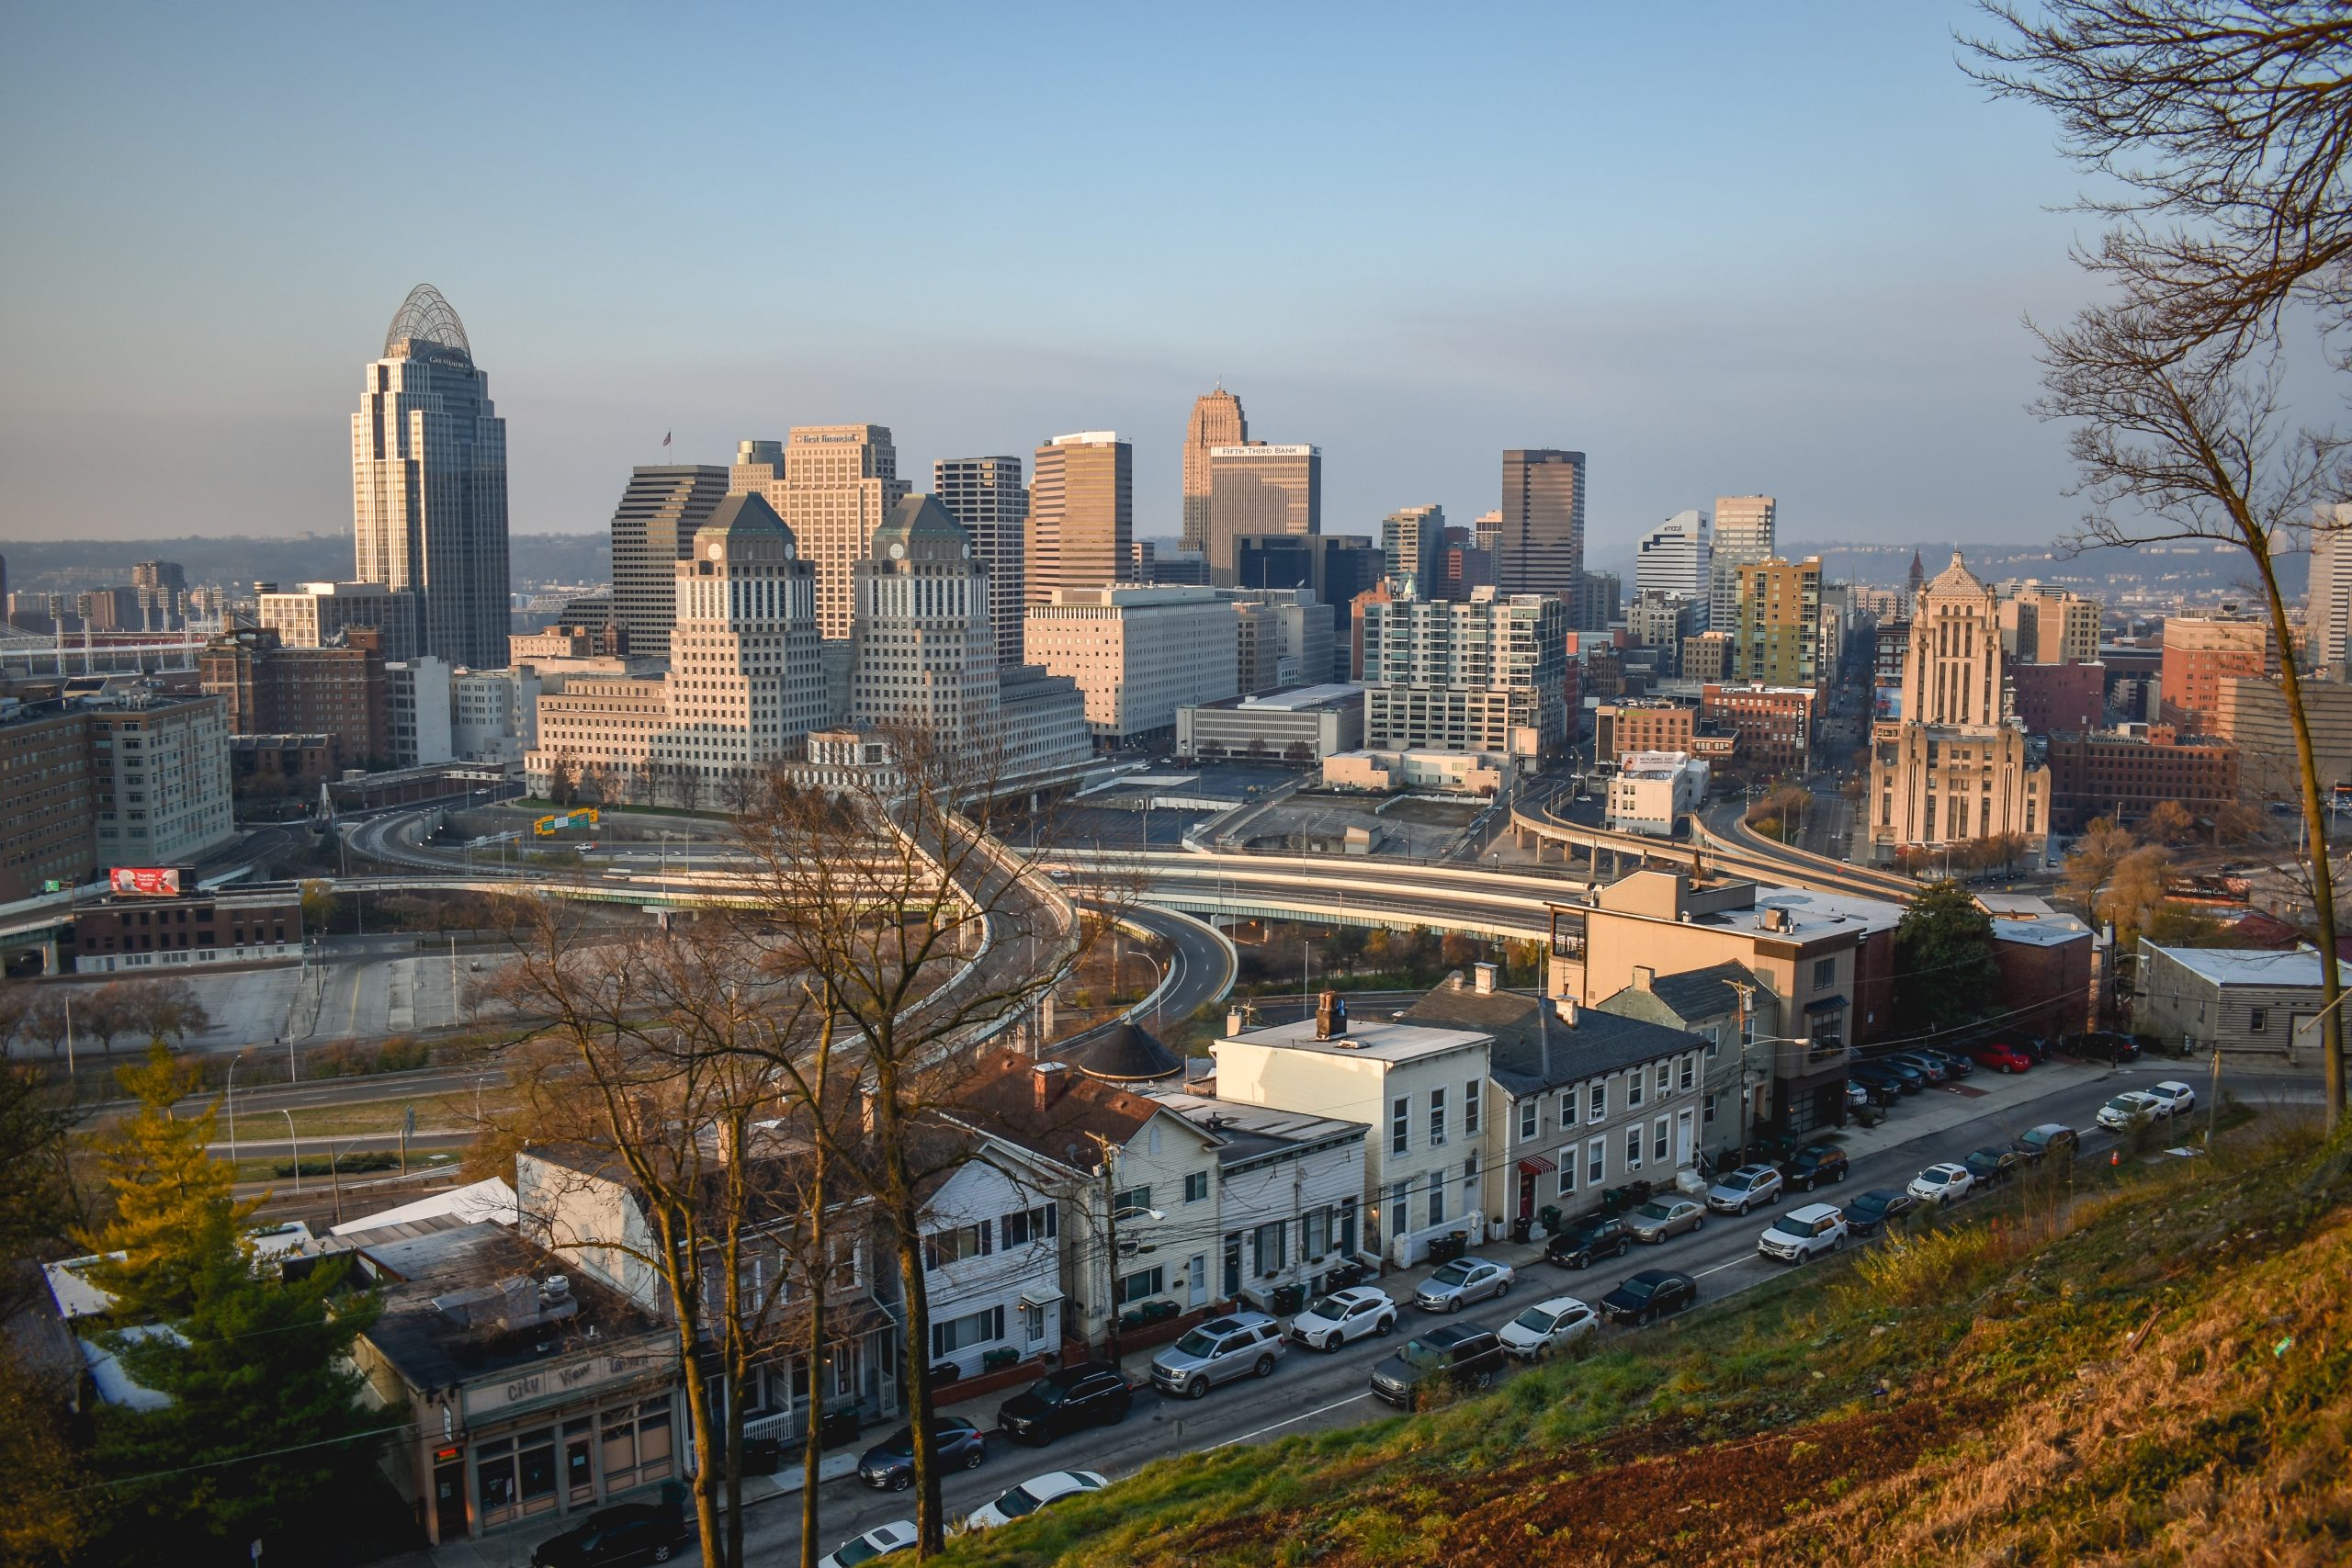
(1991, 1167)
(1879, 1207)
(1593, 1236)
(1088, 1394)
(1652, 1294)
(2038, 1143)
(2103, 1045)
(1812, 1164)
(624, 1533)
(1467, 1354)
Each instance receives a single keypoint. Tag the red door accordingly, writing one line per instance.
(1526, 1195)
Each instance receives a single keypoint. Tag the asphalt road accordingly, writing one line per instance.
(1312, 1391)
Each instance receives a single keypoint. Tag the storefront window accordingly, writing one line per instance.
(536, 1454)
(495, 1480)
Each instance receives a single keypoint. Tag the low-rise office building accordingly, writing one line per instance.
(131, 933)
(2125, 773)
(1305, 723)
(1652, 791)
(1138, 654)
(1388, 772)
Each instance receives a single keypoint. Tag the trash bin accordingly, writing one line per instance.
(1449, 1246)
(1288, 1298)
(839, 1425)
(1549, 1215)
(1521, 1228)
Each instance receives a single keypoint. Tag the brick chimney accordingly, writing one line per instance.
(1484, 978)
(1567, 1008)
(1051, 1081)
(1643, 976)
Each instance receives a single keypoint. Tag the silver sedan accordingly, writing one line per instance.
(1463, 1280)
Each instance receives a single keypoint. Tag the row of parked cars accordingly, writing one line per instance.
(1250, 1344)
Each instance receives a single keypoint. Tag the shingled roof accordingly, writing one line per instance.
(1051, 1109)
(1123, 1054)
(1534, 1050)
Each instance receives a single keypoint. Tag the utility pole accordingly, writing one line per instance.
(1739, 1024)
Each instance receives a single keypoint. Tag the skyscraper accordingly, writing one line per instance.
(1081, 514)
(986, 496)
(1678, 558)
(1746, 531)
(1410, 539)
(1258, 488)
(428, 482)
(1217, 421)
(837, 484)
(653, 529)
(746, 680)
(926, 651)
(2327, 614)
(1540, 549)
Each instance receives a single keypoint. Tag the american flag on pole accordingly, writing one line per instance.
(665, 438)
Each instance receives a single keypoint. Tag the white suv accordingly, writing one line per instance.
(1803, 1234)
(2172, 1097)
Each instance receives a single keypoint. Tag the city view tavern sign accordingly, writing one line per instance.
(547, 1382)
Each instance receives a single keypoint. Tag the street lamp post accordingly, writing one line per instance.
(230, 1100)
(296, 1142)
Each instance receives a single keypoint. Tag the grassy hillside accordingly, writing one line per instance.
(2154, 1364)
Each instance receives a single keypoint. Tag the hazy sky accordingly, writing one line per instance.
(1718, 248)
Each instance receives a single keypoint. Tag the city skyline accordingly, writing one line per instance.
(1859, 361)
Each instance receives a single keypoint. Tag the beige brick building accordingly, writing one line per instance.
(1081, 514)
(839, 483)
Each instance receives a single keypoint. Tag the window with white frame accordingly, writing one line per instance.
(1634, 1146)
(1665, 1077)
(1141, 1285)
(1568, 1107)
(1690, 1070)
(1596, 1161)
(1566, 1161)
(1470, 1100)
(1437, 1118)
(1634, 1089)
(1196, 1186)
(1596, 1101)
(983, 1327)
(1657, 1142)
(1714, 1041)
(1707, 1107)
(1023, 1226)
(1527, 1110)
(1400, 1125)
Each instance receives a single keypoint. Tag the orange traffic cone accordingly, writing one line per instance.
(2115, 1156)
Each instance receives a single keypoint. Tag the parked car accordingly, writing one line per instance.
(2041, 1047)
(2127, 1111)
(1649, 1295)
(1929, 1067)
(625, 1533)
(1463, 1280)
(1033, 1495)
(882, 1541)
(889, 1465)
(1858, 1096)
(1736, 1191)
(1546, 1326)
(1955, 1064)
(1660, 1218)
(1593, 1236)
(2102, 1046)
(1941, 1184)
(1812, 1164)
(1991, 1167)
(1803, 1234)
(1909, 1078)
(1879, 1207)
(1241, 1344)
(2000, 1056)
(1882, 1086)
(1467, 1353)
(2038, 1143)
(2173, 1098)
(1333, 1320)
(1088, 1394)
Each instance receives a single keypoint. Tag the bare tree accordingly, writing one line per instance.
(925, 935)
(15, 1012)
(647, 1058)
(2225, 125)
(2223, 129)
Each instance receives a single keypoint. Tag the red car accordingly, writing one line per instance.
(1999, 1055)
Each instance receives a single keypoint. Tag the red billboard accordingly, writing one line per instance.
(149, 881)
